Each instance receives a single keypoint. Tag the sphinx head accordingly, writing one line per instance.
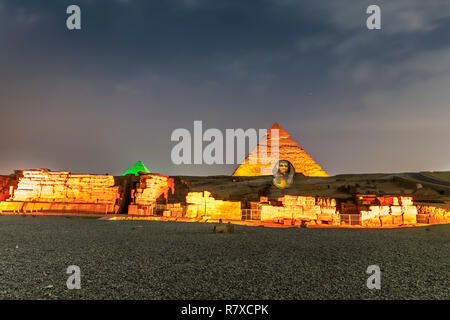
(283, 167)
(283, 173)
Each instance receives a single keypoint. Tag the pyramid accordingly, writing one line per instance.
(136, 168)
(255, 165)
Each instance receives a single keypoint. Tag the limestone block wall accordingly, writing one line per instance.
(434, 214)
(6, 186)
(46, 186)
(203, 204)
(151, 188)
(150, 196)
(386, 211)
(301, 208)
(175, 210)
(45, 190)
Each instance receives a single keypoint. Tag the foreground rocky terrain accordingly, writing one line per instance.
(174, 260)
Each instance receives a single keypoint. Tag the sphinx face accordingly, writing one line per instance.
(283, 167)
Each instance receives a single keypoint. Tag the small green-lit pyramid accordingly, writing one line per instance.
(136, 168)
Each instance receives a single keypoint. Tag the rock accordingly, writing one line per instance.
(224, 228)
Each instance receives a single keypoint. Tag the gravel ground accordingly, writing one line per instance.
(173, 260)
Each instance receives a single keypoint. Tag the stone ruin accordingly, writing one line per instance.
(296, 209)
(152, 189)
(7, 184)
(156, 195)
(386, 210)
(203, 204)
(433, 214)
(44, 190)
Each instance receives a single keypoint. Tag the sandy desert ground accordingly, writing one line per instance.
(174, 260)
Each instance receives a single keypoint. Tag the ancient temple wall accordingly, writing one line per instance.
(203, 204)
(301, 208)
(6, 186)
(386, 211)
(151, 188)
(434, 214)
(44, 190)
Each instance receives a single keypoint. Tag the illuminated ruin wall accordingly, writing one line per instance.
(6, 187)
(44, 190)
(369, 211)
(151, 190)
(203, 204)
(386, 211)
(434, 214)
(301, 208)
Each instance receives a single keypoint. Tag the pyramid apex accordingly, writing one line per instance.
(275, 126)
(139, 166)
(281, 131)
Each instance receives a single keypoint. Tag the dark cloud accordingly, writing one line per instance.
(98, 99)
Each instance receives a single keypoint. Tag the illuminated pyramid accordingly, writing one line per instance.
(136, 168)
(260, 163)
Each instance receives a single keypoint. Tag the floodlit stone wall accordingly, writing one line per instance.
(203, 204)
(386, 211)
(42, 190)
(151, 188)
(6, 184)
(47, 186)
(301, 208)
(434, 214)
(369, 210)
(45, 190)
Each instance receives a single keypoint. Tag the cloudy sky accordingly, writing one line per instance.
(98, 99)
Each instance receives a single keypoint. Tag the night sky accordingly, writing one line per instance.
(98, 99)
